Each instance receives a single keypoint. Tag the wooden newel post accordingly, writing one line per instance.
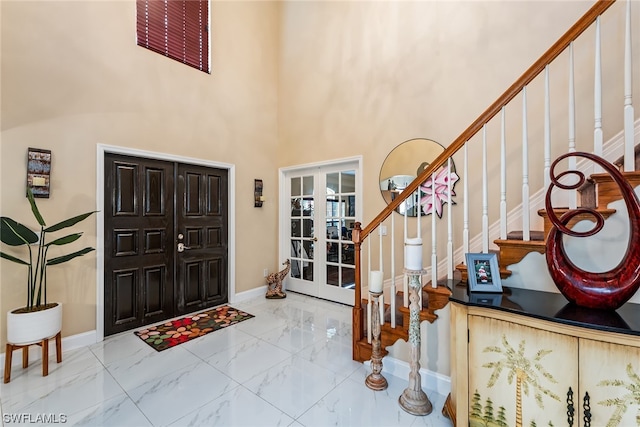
(358, 330)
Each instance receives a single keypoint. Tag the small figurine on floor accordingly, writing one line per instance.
(274, 282)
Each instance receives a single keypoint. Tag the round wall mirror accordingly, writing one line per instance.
(403, 164)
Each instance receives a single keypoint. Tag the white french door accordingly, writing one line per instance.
(320, 207)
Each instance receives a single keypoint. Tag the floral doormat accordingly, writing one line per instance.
(174, 332)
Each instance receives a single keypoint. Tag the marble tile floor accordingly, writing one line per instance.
(289, 366)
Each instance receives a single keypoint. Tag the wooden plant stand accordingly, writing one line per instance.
(25, 355)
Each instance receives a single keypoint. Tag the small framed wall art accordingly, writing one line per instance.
(257, 193)
(483, 273)
(39, 171)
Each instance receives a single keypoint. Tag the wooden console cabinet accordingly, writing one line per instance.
(528, 358)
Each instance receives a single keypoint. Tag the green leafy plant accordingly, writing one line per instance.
(13, 233)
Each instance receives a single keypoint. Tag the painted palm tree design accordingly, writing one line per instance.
(525, 371)
(622, 403)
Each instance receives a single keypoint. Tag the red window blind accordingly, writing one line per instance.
(178, 29)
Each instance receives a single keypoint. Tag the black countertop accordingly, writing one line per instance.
(553, 307)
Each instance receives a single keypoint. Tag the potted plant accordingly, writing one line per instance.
(39, 319)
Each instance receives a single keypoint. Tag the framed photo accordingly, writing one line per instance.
(39, 171)
(257, 193)
(483, 273)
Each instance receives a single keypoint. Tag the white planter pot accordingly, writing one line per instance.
(29, 328)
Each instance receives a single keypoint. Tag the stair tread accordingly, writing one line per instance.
(534, 235)
(521, 244)
(462, 269)
(604, 177)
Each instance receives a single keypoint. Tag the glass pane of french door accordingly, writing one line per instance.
(302, 240)
(340, 199)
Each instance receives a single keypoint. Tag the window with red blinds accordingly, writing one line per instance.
(178, 29)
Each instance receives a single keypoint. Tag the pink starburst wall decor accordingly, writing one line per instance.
(441, 189)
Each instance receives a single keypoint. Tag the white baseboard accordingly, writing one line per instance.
(68, 343)
(430, 380)
(260, 291)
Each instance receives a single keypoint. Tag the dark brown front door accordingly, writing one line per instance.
(201, 264)
(165, 240)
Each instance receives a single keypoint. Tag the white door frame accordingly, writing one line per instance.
(285, 203)
(100, 153)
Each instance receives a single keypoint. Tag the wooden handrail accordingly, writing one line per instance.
(558, 47)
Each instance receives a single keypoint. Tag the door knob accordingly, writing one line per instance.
(182, 247)
(315, 239)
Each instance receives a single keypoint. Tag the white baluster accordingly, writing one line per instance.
(369, 255)
(381, 303)
(547, 129)
(405, 220)
(405, 283)
(485, 190)
(434, 249)
(449, 224)
(525, 170)
(629, 155)
(503, 176)
(433, 213)
(573, 196)
(392, 293)
(369, 335)
(405, 290)
(418, 208)
(380, 247)
(597, 99)
(465, 202)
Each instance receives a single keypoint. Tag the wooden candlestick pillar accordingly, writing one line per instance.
(375, 380)
(413, 399)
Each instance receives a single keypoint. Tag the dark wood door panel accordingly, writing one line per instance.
(124, 291)
(216, 285)
(155, 288)
(138, 242)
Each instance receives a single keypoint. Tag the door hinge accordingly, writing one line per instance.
(468, 336)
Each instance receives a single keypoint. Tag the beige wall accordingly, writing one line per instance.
(73, 77)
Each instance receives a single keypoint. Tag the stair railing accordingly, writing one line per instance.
(361, 324)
